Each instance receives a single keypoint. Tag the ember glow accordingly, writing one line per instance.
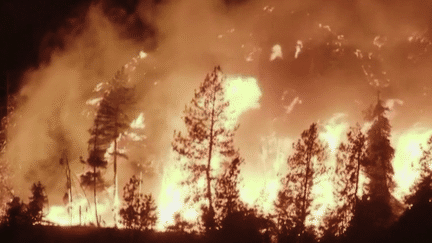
(286, 65)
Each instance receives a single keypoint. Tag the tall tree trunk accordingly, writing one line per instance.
(94, 172)
(209, 194)
(116, 125)
(357, 179)
(94, 195)
(303, 214)
(115, 182)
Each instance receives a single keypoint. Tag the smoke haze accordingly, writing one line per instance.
(348, 50)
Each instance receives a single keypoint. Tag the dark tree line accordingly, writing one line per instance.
(20, 214)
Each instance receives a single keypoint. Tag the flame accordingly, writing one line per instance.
(243, 93)
(407, 156)
(261, 188)
(138, 123)
(81, 211)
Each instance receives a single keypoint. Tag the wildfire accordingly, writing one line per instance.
(81, 211)
(407, 156)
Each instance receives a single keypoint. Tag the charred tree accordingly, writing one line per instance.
(207, 135)
(64, 161)
(295, 198)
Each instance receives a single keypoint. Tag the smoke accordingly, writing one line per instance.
(50, 119)
(327, 48)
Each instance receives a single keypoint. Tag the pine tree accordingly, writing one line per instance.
(350, 158)
(93, 179)
(380, 153)
(295, 199)
(378, 165)
(110, 121)
(207, 136)
(118, 98)
(37, 202)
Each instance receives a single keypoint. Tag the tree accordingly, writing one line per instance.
(180, 225)
(117, 98)
(294, 200)
(236, 222)
(16, 214)
(64, 161)
(37, 202)
(93, 179)
(110, 121)
(351, 157)
(378, 165)
(207, 136)
(139, 211)
(227, 197)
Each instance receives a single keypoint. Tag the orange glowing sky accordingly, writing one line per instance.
(289, 64)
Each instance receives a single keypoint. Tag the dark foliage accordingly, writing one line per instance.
(350, 158)
(37, 202)
(88, 179)
(227, 198)
(180, 225)
(207, 134)
(294, 200)
(16, 214)
(379, 168)
(139, 211)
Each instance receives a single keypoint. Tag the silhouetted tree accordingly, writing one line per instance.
(227, 197)
(139, 211)
(295, 198)
(16, 214)
(68, 197)
(207, 135)
(93, 179)
(350, 158)
(115, 98)
(37, 202)
(180, 225)
(378, 165)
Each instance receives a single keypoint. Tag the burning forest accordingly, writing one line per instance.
(217, 121)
